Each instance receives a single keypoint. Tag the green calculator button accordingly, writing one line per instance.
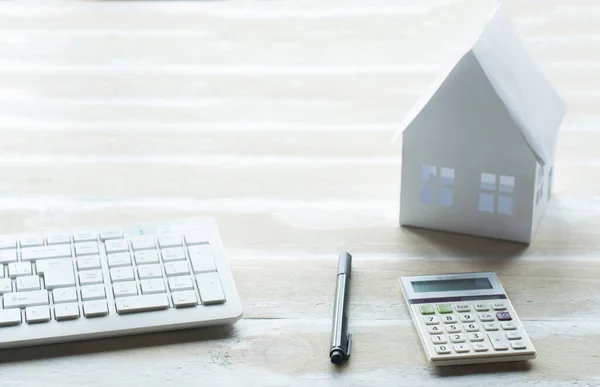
(444, 308)
(427, 309)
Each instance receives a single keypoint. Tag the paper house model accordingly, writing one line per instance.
(478, 150)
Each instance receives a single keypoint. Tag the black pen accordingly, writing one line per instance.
(341, 341)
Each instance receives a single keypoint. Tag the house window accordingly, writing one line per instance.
(540, 186)
(496, 193)
(430, 184)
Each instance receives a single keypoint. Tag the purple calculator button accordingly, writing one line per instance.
(503, 316)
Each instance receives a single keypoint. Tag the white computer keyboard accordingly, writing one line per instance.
(86, 284)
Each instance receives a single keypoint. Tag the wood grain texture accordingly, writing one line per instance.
(276, 118)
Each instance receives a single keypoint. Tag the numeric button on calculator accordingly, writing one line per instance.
(149, 271)
(85, 236)
(482, 307)
(449, 319)
(435, 329)
(457, 338)
(508, 325)
(486, 317)
(64, 295)
(427, 309)
(95, 308)
(490, 326)
(93, 292)
(184, 299)
(5, 286)
(467, 317)
(173, 254)
(439, 339)
(442, 349)
(513, 335)
(503, 316)
(10, 317)
(91, 277)
(471, 327)
(120, 274)
(499, 306)
(431, 320)
(152, 286)
(202, 259)
(37, 314)
(125, 289)
(453, 328)
(518, 345)
(86, 248)
(169, 241)
(480, 347)
(461, 348)
(68, 311)
(88, 262)
(475, 337)
(462, 307)
(143, 243)
(498, 341)
(18, 269)
(116, 246)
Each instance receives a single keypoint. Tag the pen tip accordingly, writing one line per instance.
(337, 357)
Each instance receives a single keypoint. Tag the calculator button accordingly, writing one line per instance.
(444, 308)
(503, 316)
(518, 344)
(439, 339)
(460, 348)
(462, 307)
(509, 326)
(482, 307)
(513, 335)
(475, 337)
(427, 309)
(498, 341)
(457, 338)
(499, 306)
(480, 347)
(467, 317)
(453, 328)
(434, 330)
(471, 327)
(486, 317)
(449, 319)
(490, 326)
(442, 349)
(431, 320)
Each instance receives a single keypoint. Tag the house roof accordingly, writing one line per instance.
(521, 84)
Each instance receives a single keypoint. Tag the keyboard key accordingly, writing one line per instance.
(508, 325)
(498, 341)
(457, 338)
(124, 289)
(54, 264)
(453, 328)
(111, 234)
(431, 320)
(152, 286)
(209, 286)
(32, 241)
(202, 259)
(439, 339)
(169, 241)
(518, 344)
(426, 309)
(93, 292)
(503, 316)
(176, 268)
(442, 349)
(5, 285)
(462, 307)
(37, 314)
(120, 274)
(10, 317)
(146, 256)
(59, 278)
(444, 308)
(1, 271)
(475, 337)
(490, 326)
(184, 299)
(143, 243)
(46, 252)
(63, 295)
(195, 239)
(482, 307)
(91, 277)
(468, 317)
(499, 306)
(480, 347)
(149, 271)
(8, 243)
(26, 283)
(435, 329)
(116, 246)
(18, 269)
(486, 317)
(88, 262)
(173, 254)
(25, 299)
(86, 248)
(8, 256)
(449, 319)
(95, 308)
(180, 283)
(68, 311)
(513, 335)
(85, 236)
(58, 240)
(146, 303)
(119, 260)
(461, 348)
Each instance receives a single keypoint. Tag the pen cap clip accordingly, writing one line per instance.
(348, 346)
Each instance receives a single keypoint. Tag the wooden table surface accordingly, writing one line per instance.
(276, 118)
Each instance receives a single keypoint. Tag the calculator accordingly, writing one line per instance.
(465, 318)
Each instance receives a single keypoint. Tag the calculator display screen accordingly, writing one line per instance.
(451, 285)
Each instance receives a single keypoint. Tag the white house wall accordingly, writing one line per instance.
(466, 127)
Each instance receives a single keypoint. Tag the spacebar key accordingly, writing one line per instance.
(137, 304)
